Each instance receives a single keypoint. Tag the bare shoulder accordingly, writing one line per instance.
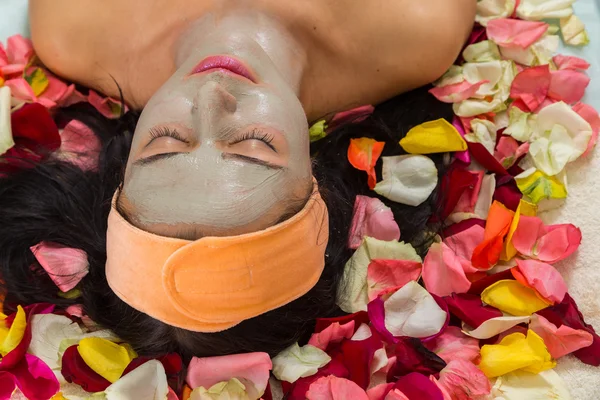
(386, 47)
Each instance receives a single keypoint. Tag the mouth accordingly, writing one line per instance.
(225, 64)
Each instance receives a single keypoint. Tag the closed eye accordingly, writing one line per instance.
(255, 134)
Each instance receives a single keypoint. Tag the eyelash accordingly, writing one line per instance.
(163, 131)
(254, 134)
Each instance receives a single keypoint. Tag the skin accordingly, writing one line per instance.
(240, 154)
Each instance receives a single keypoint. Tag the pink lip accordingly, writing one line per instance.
(224, 63)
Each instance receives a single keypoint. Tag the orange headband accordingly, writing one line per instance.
(214, 283)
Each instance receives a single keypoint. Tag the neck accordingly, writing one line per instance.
(248, 32)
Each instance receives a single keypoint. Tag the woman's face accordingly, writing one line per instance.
(216, 152)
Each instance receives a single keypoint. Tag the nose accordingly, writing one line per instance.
(212, 103)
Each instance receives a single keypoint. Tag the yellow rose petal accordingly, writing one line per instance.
(538, 186)
(516, 352)
(317, 131)
(512, 297)
(524, 208)
(437, 136)
(11, 337)
(106, 358)
(38, 81)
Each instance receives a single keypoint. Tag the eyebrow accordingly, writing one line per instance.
(226, 156)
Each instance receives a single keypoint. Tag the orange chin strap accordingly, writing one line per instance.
(214, 283)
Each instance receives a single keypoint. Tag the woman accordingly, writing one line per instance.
(221, 155)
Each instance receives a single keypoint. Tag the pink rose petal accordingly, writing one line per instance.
(591, 116)
(570, 62)
(334, 333)
(457, 92)
(21, 90)
(396, 394)
(208, 371)
(464, 381)
(386, 274)
(548, 244)
(560, 341)
(568, 85)
(443, 273)
(374, 219)
(19, 49)
(380, 391)
(107, 106)
(35, 379)
(454, 345)
(334, 388)
(508, 151)
(507, 32)
(354, 115)
(56, 89)
(532, 86)
(65, 266)
(462, 156)
(544, 278)
(82, 144)
(3, 56)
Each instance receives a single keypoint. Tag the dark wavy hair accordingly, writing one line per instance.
(55, 201)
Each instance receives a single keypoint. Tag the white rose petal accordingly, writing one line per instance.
(297, 362)
(412, 311)
(492, 9)
(408, 179)
(494, 326)
(521, 385)
(6, 138)
(535, 10)
(148, 381)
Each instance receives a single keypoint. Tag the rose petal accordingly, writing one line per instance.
(8, 384)
(544, 278)
(408, 179)
(65, 266)
(494, 326)
(568, 85)
(515, 33)
(19, 49)
(456, 92)
(464, 381)
(488, 10)
(487, 254)
(107, 106)
(334, 388)
(76, 371)
(535, 10)
(35, 379)
(374, 219)
(481, 52)
(11, 336)
(548, 244)
(570, 63)
(47, 333)
(417, 386)
(567, 313)
(387, 274)
(437, 136)
(512, 297)
(355, 296)
(516, 352)
(334, 333)
(354, 115)
(443, 273)
(80, 145)
(452, 344)
(252, 369)
(412, 356)
(591, 116)
(520, 385)
(532, 86)
(573, 31)
(470, 309)
(6, 139)
(363, 154)
(560, 341)
(106, 358)
(21, 89)
(526, 209)
(411, 311)
(297, 362)
(538, 186)
(148, 381)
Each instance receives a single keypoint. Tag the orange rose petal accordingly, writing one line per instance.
(487, 254)
(363, 154)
